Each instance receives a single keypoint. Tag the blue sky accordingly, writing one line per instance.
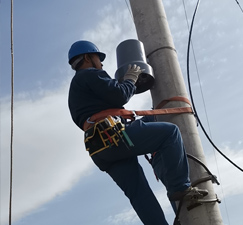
(54, 179)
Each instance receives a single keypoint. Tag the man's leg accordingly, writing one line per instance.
(172, 167)
(129, 176)
(170, 161)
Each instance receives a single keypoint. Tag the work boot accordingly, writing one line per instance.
(189, 193)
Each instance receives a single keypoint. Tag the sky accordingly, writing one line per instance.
(54, 180)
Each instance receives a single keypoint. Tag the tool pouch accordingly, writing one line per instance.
(104, 134)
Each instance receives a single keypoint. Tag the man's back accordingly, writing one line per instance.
(92, 90)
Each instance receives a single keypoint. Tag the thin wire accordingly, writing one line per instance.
(239, 6)
(12, 119)
(195, 61)
(205, 109)
(190, 91)
(129, 10)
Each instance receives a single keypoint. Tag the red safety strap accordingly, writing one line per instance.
(129, 114)
(177, 98)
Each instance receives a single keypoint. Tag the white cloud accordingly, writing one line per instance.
(49, 155)
(115, 26)
(229, 176)
(128, 216)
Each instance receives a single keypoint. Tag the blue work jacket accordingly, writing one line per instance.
(92, 90)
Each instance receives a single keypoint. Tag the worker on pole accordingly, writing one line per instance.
(96, 102)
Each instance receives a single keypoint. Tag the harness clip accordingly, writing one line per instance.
(134, 114)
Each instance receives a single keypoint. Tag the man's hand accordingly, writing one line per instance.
(133, 73)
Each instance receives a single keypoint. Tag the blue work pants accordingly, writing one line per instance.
(169, 163)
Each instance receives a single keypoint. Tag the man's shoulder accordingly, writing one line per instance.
(91, 72)
(89, 75)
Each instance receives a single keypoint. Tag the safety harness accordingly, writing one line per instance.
(105, 129)
(131, 114)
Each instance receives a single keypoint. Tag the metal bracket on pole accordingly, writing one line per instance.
(195, 201)
(213, 178)
(198, 202)
(210, 177)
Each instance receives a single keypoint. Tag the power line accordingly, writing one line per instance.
(129, 10)
(190, 91)
(239, 6)
(195, 61)
(12, 104)
(226, 209)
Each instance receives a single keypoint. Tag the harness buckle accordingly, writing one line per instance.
(134, 114)
(89, 121)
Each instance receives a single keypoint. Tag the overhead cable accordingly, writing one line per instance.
(129, 10)
(12, 104)
(226, 209)
(190, 92)
(197, 70)
(239, 6)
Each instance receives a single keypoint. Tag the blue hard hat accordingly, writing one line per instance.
(84, 47)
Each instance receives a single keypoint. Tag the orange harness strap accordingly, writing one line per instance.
(177, 98)
(129, 114)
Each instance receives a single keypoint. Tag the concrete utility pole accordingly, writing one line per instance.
(153, 30)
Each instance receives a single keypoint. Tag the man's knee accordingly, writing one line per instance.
(172, 129)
